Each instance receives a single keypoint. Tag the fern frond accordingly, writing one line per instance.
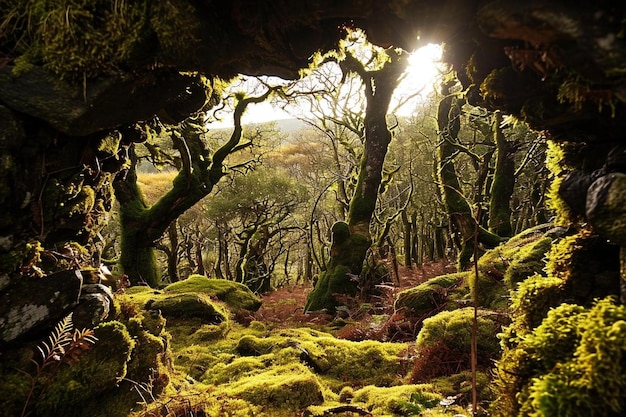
(82, 340)
(53, 350)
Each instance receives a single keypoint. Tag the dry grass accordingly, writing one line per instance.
(378, 321)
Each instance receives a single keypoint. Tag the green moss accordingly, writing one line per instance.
(559, 162)
(333, 281)
(575, 357)
(461, 385)
(290, 386)
(534, 298)
(74, 389)
(393, 401)
(188, 305)
(365, 362)
(431, 296)
(237, 296)
(453, 329)
(528, 261)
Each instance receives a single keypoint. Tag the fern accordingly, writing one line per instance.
(64, 345)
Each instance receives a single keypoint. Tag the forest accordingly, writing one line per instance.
(450, 248)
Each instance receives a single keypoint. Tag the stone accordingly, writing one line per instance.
(95, 306)
(33, 304)
(606, 207)
(100, 104)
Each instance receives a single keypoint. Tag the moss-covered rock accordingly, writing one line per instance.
(237, 296)
(98, 371)
(366, 362)
(564, 366)
(188, 305)
(528, 261)
(431, 296)
(444, 342)
(290, 386)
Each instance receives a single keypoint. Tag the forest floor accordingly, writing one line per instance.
(284, 307)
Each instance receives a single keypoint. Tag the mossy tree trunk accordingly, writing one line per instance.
(503, 182)
(352, 239)
(142, 226)
(456, 205)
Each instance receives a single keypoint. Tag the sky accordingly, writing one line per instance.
(421, 75)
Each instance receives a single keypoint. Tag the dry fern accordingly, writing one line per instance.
(64, 345)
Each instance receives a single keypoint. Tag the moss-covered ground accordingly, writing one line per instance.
(279, 361)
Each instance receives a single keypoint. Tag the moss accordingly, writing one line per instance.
(575, 357)
(451, 332)
(528, 261)
(431, 296)
(331, 282)
(533, 299)
(237, 296)
(386, 401)
(559, 161)
(77, 388)
(223, 373)
(365, 362)
(460, 385)
(290, 386)
(188, 305)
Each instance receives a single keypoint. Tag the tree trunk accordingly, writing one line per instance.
(407, 243)
(141, 225)
(457, 207)
(137, 258)
(352, 239)
(503, 182)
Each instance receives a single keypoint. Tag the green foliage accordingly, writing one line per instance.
(237, 296)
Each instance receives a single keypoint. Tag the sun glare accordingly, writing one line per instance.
(416, 85)
(419, 79)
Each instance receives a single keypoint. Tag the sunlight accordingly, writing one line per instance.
(419, 79)
(417, 83)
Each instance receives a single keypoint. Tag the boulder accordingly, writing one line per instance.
(32, 304)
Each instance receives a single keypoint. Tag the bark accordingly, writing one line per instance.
(141, 225)
(503, 182)
(456, 206)
(407, 242)
(352, 239)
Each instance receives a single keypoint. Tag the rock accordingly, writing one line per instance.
(188, 305)
(237, 296)
(35, 304)
(606, 207)
(101, 104)
(95, 306)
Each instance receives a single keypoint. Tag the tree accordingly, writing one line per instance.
(456, 205)
(351, 239)
(142, 225)
(259, 210)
